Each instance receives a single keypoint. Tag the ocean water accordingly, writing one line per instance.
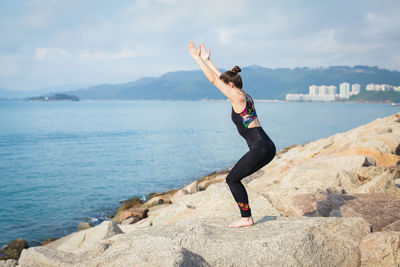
(62, 163)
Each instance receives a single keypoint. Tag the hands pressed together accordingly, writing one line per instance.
(199, 53)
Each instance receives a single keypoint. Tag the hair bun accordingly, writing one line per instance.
(236, 70)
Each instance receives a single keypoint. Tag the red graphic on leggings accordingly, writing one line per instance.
(243, 206)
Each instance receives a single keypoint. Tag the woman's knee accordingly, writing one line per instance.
(232, 178)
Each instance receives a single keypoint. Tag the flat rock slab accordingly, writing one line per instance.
(381, 249)
(378, 209)
(272, 241)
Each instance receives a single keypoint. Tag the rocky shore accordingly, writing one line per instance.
(331, 202)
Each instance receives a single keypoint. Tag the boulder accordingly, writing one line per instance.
(130, 220)
(394, 226)
(140, 212)
(8, 263)
(13, 249)
(157, 200)
(217, 199)
(182, 192)
(378, 209)
(203, 185)
(127, 228)
(295, 201)
(324, 172)
(381, 249)
(192, 187)
(382, 180)
(84, 240)
(272, 241)
(382, 159)
(84, 225)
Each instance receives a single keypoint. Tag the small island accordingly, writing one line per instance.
(56, 97)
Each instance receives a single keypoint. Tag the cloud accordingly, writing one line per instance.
(105, 55)
(225, 35)
(149, 37)
(42, 53)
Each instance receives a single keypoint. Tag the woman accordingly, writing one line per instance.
(262, 149)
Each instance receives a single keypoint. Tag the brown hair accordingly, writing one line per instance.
(232, 76)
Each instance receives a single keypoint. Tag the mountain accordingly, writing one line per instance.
(260, 82)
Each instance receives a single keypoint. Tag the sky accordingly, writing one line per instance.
(46, 43)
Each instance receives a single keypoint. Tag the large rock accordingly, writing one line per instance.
(378, 213)
(179, 194)
(394, 226)
(296, 241)
(324, 172)
(382, 159)
(84, 240)
(378, 180)
(14, 248)
(192, 187)
(381, 249)
(140, 212)
(217, 199)
(8, 263)
(295, 201)
(379, 209)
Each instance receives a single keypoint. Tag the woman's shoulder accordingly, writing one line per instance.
(239, 97)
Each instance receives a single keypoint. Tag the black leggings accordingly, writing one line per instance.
(262, 151)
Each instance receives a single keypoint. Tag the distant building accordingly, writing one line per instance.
(307, 97)
(323, 90)
(329, 92)
(313, 90)
(380, 87)
(344, 90)
(372, 87)
(294, 97)
(355, 89)
(332, 90)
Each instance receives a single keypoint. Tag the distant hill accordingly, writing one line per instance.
(260, 82)
(373, 96)
(56, 97)
(4, 93)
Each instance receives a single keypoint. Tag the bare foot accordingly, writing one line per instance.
(243, 221)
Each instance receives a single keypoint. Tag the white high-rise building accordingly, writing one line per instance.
(344, 90)
(322, 90)
(332, 90)
(373, 87)
(355, 89)
(314, 90)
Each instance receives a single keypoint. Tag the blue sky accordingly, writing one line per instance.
(45, 43)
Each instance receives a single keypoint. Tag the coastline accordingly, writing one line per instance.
(364, 159)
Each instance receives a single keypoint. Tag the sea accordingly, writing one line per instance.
(62, 163)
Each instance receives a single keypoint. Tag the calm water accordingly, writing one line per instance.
(64, 163)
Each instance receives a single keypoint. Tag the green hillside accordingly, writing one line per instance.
(374, 96)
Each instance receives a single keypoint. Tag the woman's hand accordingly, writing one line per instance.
(193, 51)
(203, 53)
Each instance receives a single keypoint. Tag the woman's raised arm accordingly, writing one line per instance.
(206, 58)
(213, 77)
